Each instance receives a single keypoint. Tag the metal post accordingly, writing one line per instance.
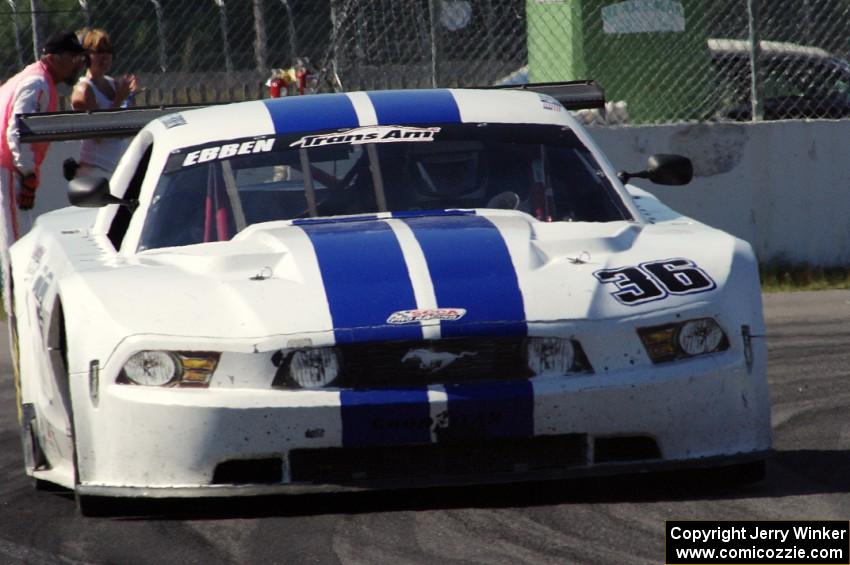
(334, 33)
(84, 6)
(807, 22)
(293, 45)
(259, 36)
(35, 13)
(755, 50)
(339, 17)
(433, 31)
(492, 51)
(361, 47)
(222, 18)
(160, 31)
(17, 26)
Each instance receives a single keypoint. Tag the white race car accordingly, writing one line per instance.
(379, 289)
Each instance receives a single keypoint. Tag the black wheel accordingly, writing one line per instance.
(15, 350)
(34, 458)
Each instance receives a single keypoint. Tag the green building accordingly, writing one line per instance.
(652, 54)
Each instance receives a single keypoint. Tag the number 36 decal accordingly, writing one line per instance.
(656, 280)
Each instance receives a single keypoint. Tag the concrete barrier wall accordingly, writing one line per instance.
(782, 186)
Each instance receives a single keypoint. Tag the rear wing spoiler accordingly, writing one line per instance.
(119, 122)
(125, 122)
(573, 95)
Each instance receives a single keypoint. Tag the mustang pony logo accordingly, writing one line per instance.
(410, 316)
(433, 361)
(368, 134)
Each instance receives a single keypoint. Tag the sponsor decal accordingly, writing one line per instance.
(550, 103)
(40, 287)
(423, 315)
(38, 253)
(37, 256)
(228, 150)
(369, 134)
(173, 120)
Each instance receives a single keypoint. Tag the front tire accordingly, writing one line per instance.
(34, 458)
(94, 506)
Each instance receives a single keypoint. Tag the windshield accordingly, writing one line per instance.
(211, 192)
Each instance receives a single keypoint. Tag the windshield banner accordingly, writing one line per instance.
(368, 134)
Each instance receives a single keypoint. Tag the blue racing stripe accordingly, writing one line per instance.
(489, 410)
(395, 107)
(309, 113)
(471, 268)
(366, 279)
(385, 417)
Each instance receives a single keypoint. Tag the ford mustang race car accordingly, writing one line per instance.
(373, 290)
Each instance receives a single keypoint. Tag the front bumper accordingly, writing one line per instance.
(176, 442)
(608, 470)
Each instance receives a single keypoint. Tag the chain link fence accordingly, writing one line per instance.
(659, 60)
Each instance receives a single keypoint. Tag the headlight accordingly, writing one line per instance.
(151, 368)
(550, 356)
(170, 368)
(681, 340)
(700, 336)
(314, 367)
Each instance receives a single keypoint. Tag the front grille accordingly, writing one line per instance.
(433, 362)
(412, 363)
(442, 460)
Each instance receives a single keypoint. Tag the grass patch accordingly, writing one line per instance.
(780, 275)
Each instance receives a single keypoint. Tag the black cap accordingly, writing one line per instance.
(63, 42)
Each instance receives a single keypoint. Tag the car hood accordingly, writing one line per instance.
(376, 278)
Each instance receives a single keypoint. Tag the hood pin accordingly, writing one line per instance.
(265, 273)
(583, 257)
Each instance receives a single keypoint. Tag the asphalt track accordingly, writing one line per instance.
(589, 521)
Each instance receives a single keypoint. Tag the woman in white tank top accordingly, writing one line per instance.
(97, 90)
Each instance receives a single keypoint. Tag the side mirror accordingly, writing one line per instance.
(93, 192)
(671, 170)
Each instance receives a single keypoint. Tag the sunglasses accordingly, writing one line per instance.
(73, 56)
